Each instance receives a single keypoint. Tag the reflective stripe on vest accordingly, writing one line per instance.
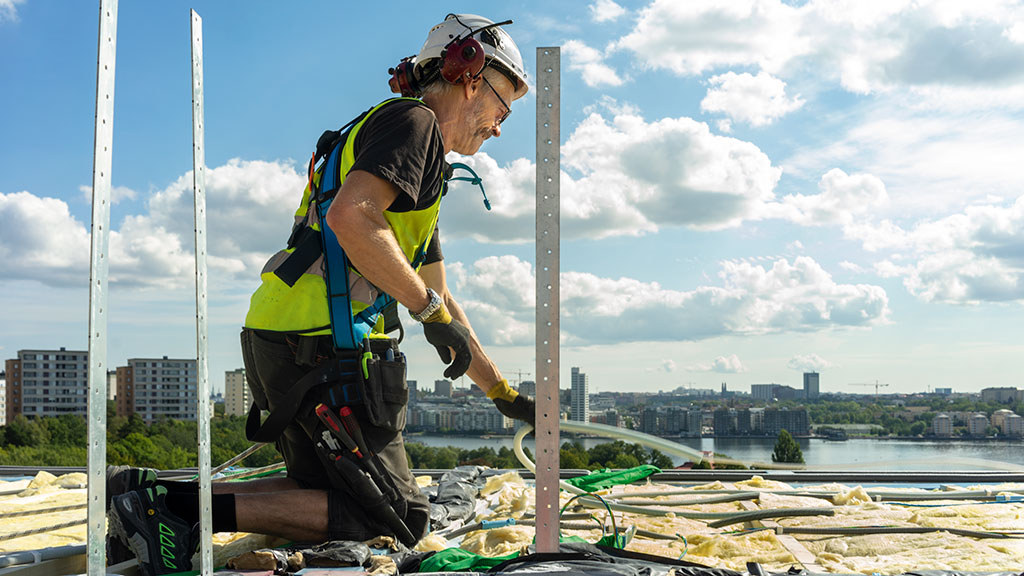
(303, 307)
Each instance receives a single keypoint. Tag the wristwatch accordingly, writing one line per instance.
(433, 306)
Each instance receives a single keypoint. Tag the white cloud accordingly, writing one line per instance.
(624, 176)
(1015, 33)
(692, 37)
(750, 299)
(970, 257)
(635, 176)
(590, 63)
(605, 11)
(930, 161)
(249, 208)
(117, 194)
(842, 196)
(41, 240)
(745, 98)
(723, 364)
(866, 47)
(9, 10)
(808, 363)
(851, 267)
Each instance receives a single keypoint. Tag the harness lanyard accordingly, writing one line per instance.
(475, 180)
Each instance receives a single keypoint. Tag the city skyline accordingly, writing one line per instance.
(750, 189)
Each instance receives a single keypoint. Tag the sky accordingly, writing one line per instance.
(750, 189)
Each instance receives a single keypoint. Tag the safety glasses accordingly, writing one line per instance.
(508, 110)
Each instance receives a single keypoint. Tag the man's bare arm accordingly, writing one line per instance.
(482, 371)
(357, 218)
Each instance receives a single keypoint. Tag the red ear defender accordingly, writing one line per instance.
(402, 79)
(462, 58)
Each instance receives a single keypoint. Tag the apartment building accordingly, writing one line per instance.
(157, 388)
(47, 383)
(237, 397)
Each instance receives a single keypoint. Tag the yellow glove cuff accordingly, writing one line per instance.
(440, 316)
(502, 390)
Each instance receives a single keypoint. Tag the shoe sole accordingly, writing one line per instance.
(135, 541)
(117, 551)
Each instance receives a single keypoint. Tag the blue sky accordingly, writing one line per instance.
(750, 188)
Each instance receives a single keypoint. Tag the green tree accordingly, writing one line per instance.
(24, 432)
(573, 455)
(787, 450)
(918, 428)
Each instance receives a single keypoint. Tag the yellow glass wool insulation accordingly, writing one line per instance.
(760, 483)
(44, 491)
(734, 551)
(899, 553)
(496, 483)
(871, 514)
(995, 517)
(856, 495)
(770, 500)
(431, 543)
(499, 541)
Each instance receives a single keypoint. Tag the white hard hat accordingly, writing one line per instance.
(500, 51)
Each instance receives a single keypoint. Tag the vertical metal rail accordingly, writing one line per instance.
(103, 145)
(202, 380)
(548, 89)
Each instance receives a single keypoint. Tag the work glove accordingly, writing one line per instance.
(513, 404)
(447, 335)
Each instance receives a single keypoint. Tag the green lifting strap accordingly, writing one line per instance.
(475, 180)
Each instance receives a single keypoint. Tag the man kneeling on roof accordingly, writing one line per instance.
(315, 344)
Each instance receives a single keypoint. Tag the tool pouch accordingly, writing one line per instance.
(385, 390)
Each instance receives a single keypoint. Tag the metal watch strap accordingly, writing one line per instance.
(433, 306)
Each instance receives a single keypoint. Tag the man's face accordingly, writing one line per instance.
(488, 108)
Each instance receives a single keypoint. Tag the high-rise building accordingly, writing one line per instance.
(111, 385)
(237, 396)
(443, 388)
(811, 385)
(47, 383)
(3, 400)
(413, 391)
(157, 388)
(579, 399)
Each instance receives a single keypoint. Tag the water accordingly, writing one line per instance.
(853, 454)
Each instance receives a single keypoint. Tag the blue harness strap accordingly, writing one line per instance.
(347, 330)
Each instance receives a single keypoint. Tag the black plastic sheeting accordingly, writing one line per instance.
(455, 496)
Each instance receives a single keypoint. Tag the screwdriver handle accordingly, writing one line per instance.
(327, 417)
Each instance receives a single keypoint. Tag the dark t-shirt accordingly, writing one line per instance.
(402, 144)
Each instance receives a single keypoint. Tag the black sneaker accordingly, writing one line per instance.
(122, 479)
(163, 543)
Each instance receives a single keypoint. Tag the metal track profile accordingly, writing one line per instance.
(547, 268)
(103, 145)
(202, 379)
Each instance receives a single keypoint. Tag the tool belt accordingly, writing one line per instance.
(373, 377)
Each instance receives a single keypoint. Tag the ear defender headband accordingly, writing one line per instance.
(461, 59)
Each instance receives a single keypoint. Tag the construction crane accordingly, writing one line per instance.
(875, 384)
(519, 376)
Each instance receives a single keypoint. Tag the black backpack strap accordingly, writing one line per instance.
(308, 248)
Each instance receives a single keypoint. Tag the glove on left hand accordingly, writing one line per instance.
(513, 404)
